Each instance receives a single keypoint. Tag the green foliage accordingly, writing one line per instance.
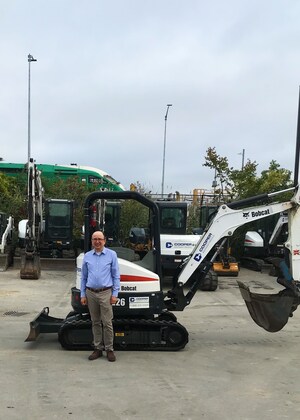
(133, 214)
(220, 165)
(244, 183)
(12, 196)
(238, 184)
(193, 220)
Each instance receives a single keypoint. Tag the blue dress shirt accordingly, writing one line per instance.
(100, 270)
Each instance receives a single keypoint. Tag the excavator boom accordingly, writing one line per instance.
(30, 257)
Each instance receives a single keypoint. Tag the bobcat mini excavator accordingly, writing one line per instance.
(144, 314)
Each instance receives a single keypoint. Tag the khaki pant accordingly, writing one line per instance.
(101, 315)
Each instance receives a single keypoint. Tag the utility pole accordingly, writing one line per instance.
(243, 158)
(164, 153)
(30, 59)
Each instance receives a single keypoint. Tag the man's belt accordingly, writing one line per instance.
(98, 290)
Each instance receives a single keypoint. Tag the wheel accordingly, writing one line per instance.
(210, 283)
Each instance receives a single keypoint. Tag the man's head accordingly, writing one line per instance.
(98, 240)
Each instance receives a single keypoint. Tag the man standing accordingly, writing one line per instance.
(100, 284)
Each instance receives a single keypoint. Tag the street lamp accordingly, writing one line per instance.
(30, 59)
(243, 158)
(164, 153)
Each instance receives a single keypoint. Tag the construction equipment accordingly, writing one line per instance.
(225, 264)
(143, 315)
(264, 243)
(6, 236)
(30, 257)
(176, 244)
(48, 231)
(57, 234)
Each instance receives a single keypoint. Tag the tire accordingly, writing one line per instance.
(210, 283)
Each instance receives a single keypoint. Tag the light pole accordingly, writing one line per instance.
(243, 158)
(164, 153)
(30, 59)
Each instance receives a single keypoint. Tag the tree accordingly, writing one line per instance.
(220, 165)
(13, 196)
(238, 184)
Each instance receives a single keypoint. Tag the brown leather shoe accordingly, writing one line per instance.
(96, 353)
(111, 356)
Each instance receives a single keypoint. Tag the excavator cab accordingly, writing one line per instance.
(58, 231)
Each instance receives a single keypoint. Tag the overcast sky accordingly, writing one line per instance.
(106, 71)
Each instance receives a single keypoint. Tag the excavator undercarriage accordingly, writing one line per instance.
(75, 332)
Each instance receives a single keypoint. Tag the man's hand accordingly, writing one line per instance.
(83, 301)
(113, 300)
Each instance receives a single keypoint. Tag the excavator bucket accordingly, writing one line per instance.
(30, 266)
(269, 311)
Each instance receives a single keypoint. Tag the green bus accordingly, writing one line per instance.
(86, 175)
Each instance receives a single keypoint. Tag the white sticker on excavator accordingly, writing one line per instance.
(139, 302)
(198, 256)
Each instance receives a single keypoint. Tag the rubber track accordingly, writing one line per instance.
(172, 335)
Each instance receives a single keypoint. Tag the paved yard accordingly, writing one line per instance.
(230, 369)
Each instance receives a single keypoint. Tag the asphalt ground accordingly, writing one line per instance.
(230, 369)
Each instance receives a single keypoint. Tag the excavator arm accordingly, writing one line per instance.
(30, 258)
(263, 309)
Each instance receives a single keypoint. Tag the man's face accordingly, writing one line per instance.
(98, 241)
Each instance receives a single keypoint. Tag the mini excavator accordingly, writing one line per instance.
(144, 316)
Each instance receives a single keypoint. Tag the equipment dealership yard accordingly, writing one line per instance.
(230, 369)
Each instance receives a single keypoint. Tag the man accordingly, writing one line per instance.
(100, 284)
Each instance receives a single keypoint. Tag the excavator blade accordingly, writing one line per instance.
(43, 323)
(269, 311)
(30, 266)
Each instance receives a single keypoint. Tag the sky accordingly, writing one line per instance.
(106, 71)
